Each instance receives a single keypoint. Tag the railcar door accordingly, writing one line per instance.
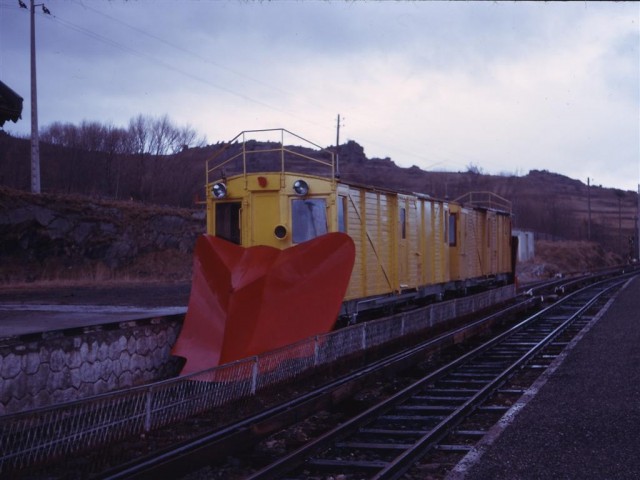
(265, 217)
(403, 249)
(228, 221)
(454, 234)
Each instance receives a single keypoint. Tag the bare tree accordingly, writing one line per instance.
(134, 162)
(159, 136)
(162, 136)
(187, 138)
(65, 135)
(117, 144)
(154, 139)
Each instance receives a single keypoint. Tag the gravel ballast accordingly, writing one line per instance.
(584, 423)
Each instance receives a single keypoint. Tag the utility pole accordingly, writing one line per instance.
(620, 194)
(589, 207)
(338, 147)
(35, 140)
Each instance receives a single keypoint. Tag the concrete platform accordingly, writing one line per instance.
(38, 309)
(19, 319)
(581, 421)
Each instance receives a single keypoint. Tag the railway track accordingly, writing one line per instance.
(219, 443)
(412, 429)
(465, 391)
(167, 454)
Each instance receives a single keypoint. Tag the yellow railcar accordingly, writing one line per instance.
(488, 243)
(408, 246)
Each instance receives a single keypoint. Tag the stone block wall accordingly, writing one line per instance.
(66, 365)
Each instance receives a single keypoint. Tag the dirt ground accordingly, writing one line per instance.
(565, 258)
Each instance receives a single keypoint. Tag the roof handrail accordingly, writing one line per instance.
(484, 199)
(244, 154)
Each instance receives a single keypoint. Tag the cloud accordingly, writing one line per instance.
(508, 87)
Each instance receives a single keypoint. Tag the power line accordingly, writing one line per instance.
(439, 159)
(169, 66)
(182, 49)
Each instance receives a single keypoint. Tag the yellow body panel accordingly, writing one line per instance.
(438, 247)
(370, 220)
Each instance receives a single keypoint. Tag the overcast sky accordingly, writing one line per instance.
(506, 87)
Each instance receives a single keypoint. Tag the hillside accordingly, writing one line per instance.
(554, 206)
(106, 216)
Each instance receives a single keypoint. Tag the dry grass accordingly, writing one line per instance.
(166, 266)
(566, 257)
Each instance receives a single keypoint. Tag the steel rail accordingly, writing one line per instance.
(245, 430)
(247, 433)
(403, 461)
(183, 453)
(109, 418)
(575, 280)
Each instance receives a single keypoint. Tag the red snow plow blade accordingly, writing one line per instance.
(245, 301)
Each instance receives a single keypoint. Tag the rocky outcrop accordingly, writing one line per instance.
(45, 237)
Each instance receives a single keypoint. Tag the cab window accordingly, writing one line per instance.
(308, 219)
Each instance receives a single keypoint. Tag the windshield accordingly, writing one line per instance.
(309, 219)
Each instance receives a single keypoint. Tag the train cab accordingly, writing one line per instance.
(274, 209)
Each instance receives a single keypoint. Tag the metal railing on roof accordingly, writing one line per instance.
(488, 200)
(251, 148)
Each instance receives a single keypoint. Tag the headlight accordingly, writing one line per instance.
(280, 232)
(219, 190)
(301, 187)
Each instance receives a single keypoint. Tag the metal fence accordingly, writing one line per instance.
(29, 438)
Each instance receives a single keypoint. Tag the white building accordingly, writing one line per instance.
(526, 250)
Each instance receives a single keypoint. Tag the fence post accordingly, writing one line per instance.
(316, 351)
(254, 376)
(432, 314)
(147, 416)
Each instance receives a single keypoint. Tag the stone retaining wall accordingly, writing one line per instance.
(66, 365)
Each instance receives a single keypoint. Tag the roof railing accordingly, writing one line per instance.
(251, 148)
(488, 200)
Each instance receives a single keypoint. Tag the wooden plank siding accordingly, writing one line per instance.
(389, 262)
